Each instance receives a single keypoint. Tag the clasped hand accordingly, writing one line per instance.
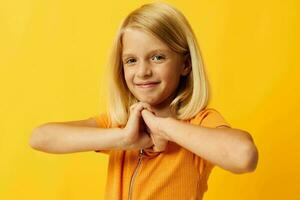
(143, 129)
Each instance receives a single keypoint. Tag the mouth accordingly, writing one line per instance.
(148, 85)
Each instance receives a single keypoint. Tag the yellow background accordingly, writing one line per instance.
(52, 68)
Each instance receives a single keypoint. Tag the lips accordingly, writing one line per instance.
(147, 84)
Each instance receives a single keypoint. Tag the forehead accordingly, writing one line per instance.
(137, 41)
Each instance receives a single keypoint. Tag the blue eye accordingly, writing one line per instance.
(160, 57)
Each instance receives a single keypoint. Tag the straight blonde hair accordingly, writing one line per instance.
(170, 26)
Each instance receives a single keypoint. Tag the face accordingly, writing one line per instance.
(152, 70)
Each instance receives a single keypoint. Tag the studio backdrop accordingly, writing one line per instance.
(53, 68)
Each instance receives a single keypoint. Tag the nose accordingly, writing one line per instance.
(144, 70)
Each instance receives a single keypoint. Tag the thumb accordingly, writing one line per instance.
(153, 138)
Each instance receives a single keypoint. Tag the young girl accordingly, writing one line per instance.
(161, 138)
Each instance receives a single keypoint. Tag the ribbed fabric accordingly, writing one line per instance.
(173, 174)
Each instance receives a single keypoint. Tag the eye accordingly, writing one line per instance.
(129, 61)
(159, 57)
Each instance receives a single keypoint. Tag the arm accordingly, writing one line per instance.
(75, 136)
(231, 149)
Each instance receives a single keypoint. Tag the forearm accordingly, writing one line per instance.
(62, 138)
(231, 149)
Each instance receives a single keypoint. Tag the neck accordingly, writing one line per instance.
(163, 109)
(162, 112)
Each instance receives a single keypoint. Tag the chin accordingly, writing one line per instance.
(154, 103)
(150, 101)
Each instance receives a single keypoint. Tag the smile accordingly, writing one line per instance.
(150, 85)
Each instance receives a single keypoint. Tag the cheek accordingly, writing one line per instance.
(171, 75)
(128, 77)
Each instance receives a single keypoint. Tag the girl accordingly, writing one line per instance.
(161, 138)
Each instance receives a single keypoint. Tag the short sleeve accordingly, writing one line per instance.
(213, 119)
(102, 122)
(210, 118)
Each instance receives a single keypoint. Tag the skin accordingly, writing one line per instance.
(230, 149)
(141, 64)
(152, 63)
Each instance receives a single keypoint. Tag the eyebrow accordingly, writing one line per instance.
(151, 52)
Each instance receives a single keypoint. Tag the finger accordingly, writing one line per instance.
(158, 149)
(136, 109)
(141, 106)
(147, 139)
(153, 139)
(146, 106)
(133, 114)
(131, 108)
(147, 113)
(159, 141)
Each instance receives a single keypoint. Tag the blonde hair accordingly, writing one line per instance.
(169, 25)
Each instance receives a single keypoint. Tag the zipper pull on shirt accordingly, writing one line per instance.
(141, 153)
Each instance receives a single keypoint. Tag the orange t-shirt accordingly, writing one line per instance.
(175, 173)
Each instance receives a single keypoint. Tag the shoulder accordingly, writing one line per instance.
(204, 113)
(209, 117)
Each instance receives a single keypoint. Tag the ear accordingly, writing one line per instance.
(187, 65)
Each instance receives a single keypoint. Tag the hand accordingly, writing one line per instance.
(153, 127)
(135, 135)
